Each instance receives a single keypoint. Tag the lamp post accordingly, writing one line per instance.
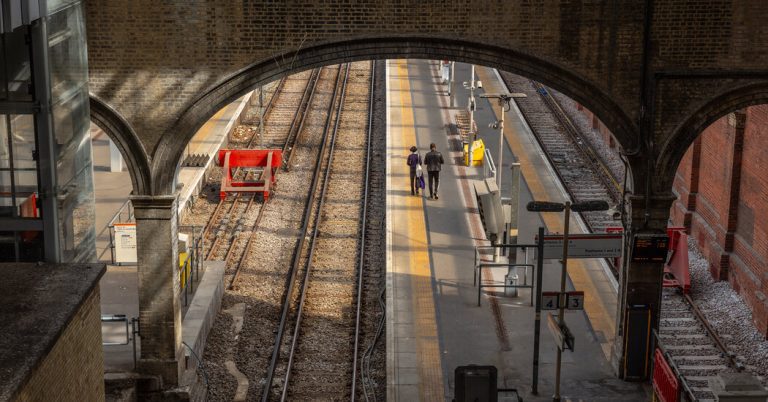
(504, 102)
(472, 85)
(544, 206)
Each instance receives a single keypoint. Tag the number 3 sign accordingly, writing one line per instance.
(575, 300)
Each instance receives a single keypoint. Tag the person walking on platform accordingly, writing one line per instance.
(433, 160)
(414, 162)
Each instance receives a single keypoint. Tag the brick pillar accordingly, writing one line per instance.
(640, 287)
(159, 309)
(738, 121)
(693, 184)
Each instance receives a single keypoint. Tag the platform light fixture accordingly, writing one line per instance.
(471, 85)
(546, 206)
(505, 100)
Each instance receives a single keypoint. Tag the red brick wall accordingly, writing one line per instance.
(605, 133)
(729, 215)
(722, 189)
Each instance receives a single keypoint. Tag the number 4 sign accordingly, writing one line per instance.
(550, 300)
(575, 300)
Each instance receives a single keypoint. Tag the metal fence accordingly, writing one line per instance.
(131, 330)
(480, 266)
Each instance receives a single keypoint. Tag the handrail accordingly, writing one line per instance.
(489, 168)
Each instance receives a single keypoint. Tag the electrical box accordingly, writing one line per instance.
(491, 211)
(475, 383)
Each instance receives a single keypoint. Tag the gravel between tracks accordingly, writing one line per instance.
(728, 314)
(725, 309)
(262, 281)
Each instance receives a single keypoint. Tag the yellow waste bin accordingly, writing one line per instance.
(476, 151)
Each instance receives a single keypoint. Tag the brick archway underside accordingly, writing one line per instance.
(673, 150)
(170, 147)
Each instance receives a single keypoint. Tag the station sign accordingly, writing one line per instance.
(550, 300)
(599, 245)
(650, 248)
(574, 300)
(125, 243)
(563, 337)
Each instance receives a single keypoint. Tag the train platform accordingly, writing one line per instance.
(119, 285)
(433, 321)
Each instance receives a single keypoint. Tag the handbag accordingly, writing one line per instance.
(419, 171)
(421, 182)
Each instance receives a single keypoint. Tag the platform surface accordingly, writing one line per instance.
(434, 323)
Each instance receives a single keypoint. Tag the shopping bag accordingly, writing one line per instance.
(421, 182)
(419, 171)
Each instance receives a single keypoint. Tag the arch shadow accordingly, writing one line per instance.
(169, 150)
(683, 136)
(126, 140)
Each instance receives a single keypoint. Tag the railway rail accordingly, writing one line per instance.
(582, 172)
(230, 229)
(692, 347)
(322, 306)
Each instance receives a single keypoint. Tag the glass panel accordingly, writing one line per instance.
(23, 138)
(30, 246)
(3, 83)
(55, 5)
(66, 43)
(6, 201)
(16, 63)
(7, 246)
(77, 219)
(71, 122)
(5, 155)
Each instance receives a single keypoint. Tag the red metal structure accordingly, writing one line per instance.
(259, 168)
(676, 273)
(666, 388)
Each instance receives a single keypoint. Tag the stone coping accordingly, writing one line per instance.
(37, 302)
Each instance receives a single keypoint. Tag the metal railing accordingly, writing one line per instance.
(480, 265)
(131, 331)
(489, 168)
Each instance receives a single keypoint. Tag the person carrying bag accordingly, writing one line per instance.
(416, 173)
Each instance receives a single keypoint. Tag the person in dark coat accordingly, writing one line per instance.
(434, 161)
(414, 160)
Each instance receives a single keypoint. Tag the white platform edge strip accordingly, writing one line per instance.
(390, 365)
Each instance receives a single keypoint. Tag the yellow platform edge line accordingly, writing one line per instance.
(599, 315)
(425, 320)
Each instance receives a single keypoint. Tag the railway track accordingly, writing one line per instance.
(695, 351)
(583, 174)
(230, 230)
(315, 353)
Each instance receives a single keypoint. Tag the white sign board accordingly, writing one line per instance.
(125, 243)
(550, 300)
(575, 300)
(584, 246)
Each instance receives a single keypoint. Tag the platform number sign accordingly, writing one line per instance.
(575, 300)
(550, 300)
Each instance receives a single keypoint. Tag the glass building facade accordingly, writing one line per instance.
(47, 210)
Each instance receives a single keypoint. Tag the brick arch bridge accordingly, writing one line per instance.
(656, 72)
